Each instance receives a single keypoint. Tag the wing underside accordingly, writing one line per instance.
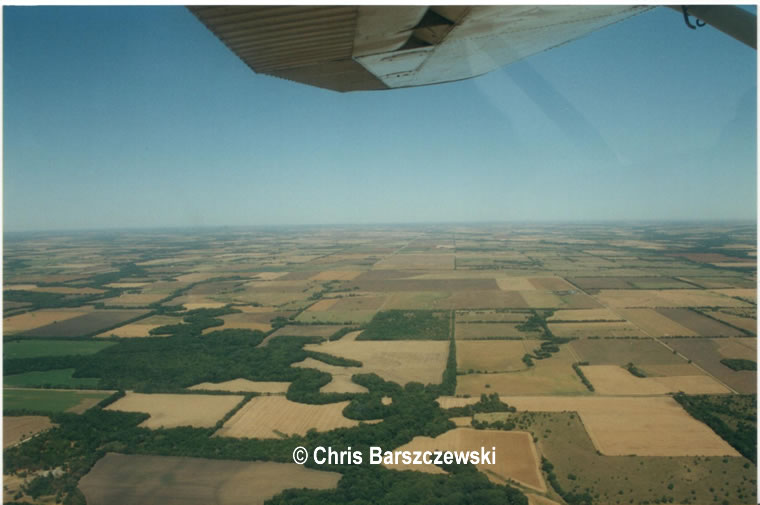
(349, 48)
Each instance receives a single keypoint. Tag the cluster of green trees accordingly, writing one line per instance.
(379, 486)
(506, 425)
(194, 322)
(448, 384)
(535, 322)
(577, 367)
(739, 364)
(45, 300)
(126, 270)
(343, 332)
(486, 404)
(733, 418)
(550, 344)
(638, 372)
(408, 325)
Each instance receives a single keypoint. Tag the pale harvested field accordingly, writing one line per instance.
(615, 380)
(591, 329)
(19, 428)
(322, 305)
(120, 479)
(192, 302)
(462, 422)
(170, 411)
(336, 275)
(515, 284)
(541, 299)
(244, 386)
(270, 416)
(19, 287)
(141, 328)
(553, 375)
(494, 355)
(585, 315)
(396, 361)
(341, 376)
(134, 300)
(127, 284)
(516, 455)
(644, 426)
(270, 276)
(250, 309)
(38, 318)
(307, 330)
(490, 315)
(483, 330)
(534, 499)
(747, 294)
(649, 298)
(655, 324)
(241, 320)
(442, 261)
(742, 348)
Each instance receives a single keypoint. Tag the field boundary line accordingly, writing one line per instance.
(698, 367)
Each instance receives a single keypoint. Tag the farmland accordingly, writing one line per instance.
(16, 349)
(276, 417)
(185, 366)
(19, 428)
(169, 411)
(120, 479)
(516, 457)
(48, 400)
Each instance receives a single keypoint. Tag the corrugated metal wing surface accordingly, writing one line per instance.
(309, 44)
(349, 48)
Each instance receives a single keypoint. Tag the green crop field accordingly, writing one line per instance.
(44, 400)
(37, 348)
(51, 378)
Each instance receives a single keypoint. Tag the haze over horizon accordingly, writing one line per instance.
(138, 117)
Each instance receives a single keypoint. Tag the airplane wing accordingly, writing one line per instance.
(350, 48)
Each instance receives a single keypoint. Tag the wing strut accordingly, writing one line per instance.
(731, 20)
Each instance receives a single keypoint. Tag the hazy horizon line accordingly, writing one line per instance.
(744, 221)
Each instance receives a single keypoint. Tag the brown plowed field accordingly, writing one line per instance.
(120, 479)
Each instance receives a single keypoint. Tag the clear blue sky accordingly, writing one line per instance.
(140, 117)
